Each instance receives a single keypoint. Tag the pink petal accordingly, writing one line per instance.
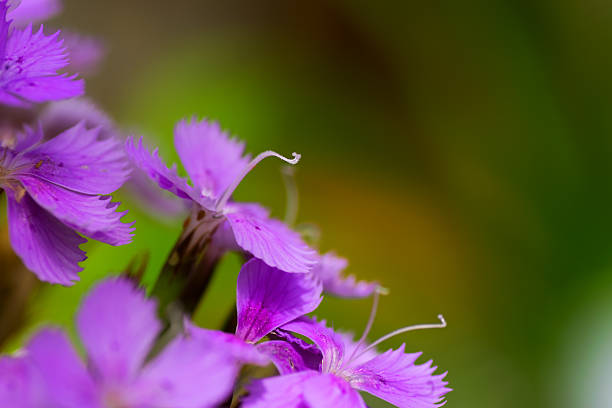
(212, 159)
(80, 160)
(285, 356)
(30, 68)
(151, 164)
(331, 344)
(86, 52)
(269, 240)
(393, 377)
(33, 11)
(47, 247)
(327, 390)
(91, 215)
(117, 325)
(330, 270)
(59, 116)
(20, 384)
(304, 389)
(285, 391)
(230, 344)
(67, 382)
(191, 372)
(267, 298)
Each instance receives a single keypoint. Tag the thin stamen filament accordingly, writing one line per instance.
(440, 325)
(222, 201)
(368, 327)
(292, 204)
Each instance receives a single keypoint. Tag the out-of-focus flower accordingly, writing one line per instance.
(58, 188)
(343, 368)
(30, 64)
(216, 166)
(117, 327)
(24, 12)
(56, 117)
(330, 271)
(86, 52)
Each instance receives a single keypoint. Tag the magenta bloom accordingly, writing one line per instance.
(118, 327)
(343, 368)
(57, 189)
(216, 165)
(30, 63)
(86, 52)
(24, 12)
(56, 117)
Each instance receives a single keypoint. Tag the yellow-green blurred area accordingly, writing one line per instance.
(459, 152)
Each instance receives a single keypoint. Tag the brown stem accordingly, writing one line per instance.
(17, 287)
(189, 266)
(231, 321)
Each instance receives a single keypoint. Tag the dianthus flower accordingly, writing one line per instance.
(216, 165)
(118, 327)
(57, 189)
(30, 64)
(85, 52)
(331, 372)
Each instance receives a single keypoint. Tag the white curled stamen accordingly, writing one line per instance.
(222, 201)
(440, 325)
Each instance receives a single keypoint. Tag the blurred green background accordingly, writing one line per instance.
(459, 152)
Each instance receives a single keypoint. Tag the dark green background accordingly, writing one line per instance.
(457, 151)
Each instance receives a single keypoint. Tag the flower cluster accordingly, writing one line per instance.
(58, 165)
(56, 175)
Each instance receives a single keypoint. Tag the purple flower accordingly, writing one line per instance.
(342, 369)
(118, 327)
(216, 165)
(329, 270)
(19, 384)
(56, 117)
(29, 66)
(57, 189)
(24, 12)
(59, 116)
(86, 52)
(266, 298)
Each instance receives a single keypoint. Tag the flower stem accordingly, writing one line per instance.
(189, 267)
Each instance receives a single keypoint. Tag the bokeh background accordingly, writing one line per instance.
(460, 152)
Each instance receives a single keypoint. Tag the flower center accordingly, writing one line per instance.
(6, 179)
(112, 399)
